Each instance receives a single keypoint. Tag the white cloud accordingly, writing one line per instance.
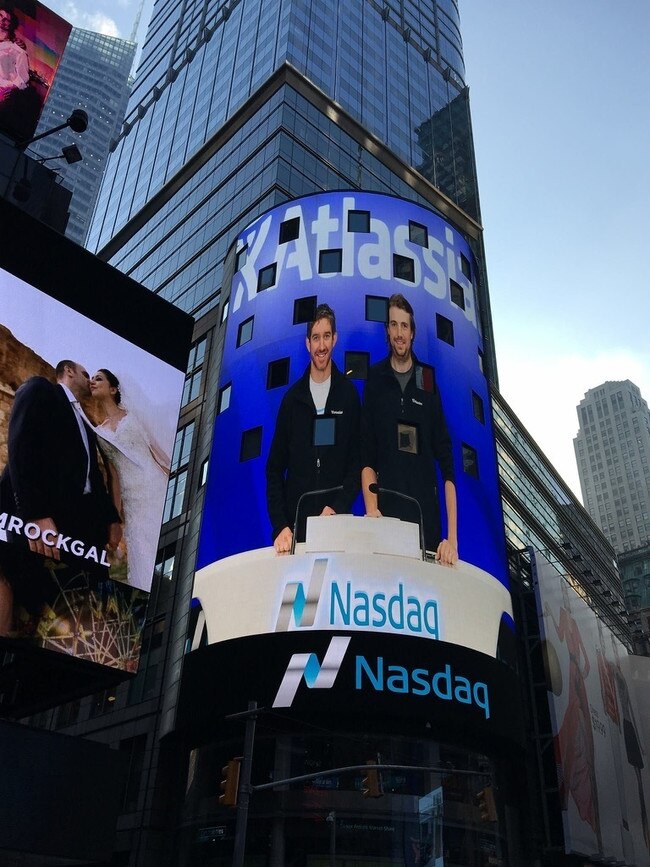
(100, 23)
(545, 389)
(97, 21)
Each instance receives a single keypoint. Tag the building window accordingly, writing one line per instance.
(245, 332)
(135, 750)
(403, 268)
(266, 277)
(465, 267)
(203, 475)
(224, 398)
(457, 294)
(175, 496)
(251, 444)
(376, 309)
(224, 310)
(470, 461)
(289, 230)
(182, 446)
(330, 261)
(478, 408)
(358, 221)
(240, 259)
(277, 373)
(357, 364)
(194, 380)
(304, 309)
(103, 701)
(165, 560)
(445, 329)
(418, 234)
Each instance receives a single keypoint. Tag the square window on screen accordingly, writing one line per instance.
(403, 268)
(465, 266)
(304, 309)
(418, 234)
(266, 277)
(478, 408)
(245, 332)
(470, 461)
(289, 230)
(240, 259)
(357, 364)
(376, 309)
(358, 221)
(224, 397)
(330, 261)
(251, 444)
(277, 373)
(445, 329)
(457, 294)
(324, 430)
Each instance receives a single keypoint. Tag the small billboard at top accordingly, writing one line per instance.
(32, 40)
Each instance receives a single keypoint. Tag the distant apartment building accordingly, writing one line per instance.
(613, 455)
(93, 76)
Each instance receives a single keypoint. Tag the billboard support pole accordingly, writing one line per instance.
(239, 849)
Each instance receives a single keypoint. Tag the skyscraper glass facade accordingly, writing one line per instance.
(395, 70)
(93, 76)
(613, 455)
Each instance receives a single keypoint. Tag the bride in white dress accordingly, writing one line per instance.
(139, 480)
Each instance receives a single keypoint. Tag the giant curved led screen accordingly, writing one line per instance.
(352, 576)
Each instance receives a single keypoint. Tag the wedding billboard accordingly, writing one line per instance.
(89, 397)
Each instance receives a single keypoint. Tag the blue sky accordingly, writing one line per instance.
(559, 93)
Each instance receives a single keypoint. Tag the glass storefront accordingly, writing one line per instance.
(438, 805)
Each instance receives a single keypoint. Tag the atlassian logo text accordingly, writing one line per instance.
(348, 606)
(318, 675)
(419, 681)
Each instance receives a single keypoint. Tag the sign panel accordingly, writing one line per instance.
(352, 251)
(600, 732)
(88, 414)
(32, 40)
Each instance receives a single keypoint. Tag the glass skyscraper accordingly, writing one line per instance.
(238, 106)
(93, 76)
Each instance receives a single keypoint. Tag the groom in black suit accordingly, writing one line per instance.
(52, 478)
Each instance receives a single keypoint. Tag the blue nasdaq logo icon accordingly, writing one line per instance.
(317, 675)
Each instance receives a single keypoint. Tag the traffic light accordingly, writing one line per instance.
(371, 786)
(486, 804)
(230, 783)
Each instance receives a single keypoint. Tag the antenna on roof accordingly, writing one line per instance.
(136, 23)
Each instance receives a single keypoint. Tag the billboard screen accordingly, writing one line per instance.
(600, 730)
(89, 399)
(272, 447)
(32, 40)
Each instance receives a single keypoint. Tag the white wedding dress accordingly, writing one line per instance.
(143, 484)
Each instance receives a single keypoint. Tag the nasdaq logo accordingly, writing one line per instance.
(317, 675)
(303, 606)
(348, 606)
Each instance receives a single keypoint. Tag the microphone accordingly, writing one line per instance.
(374, 488)
(316, 493)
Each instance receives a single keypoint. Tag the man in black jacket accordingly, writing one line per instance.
(404, 435)
(316, 439)
(52, 491)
